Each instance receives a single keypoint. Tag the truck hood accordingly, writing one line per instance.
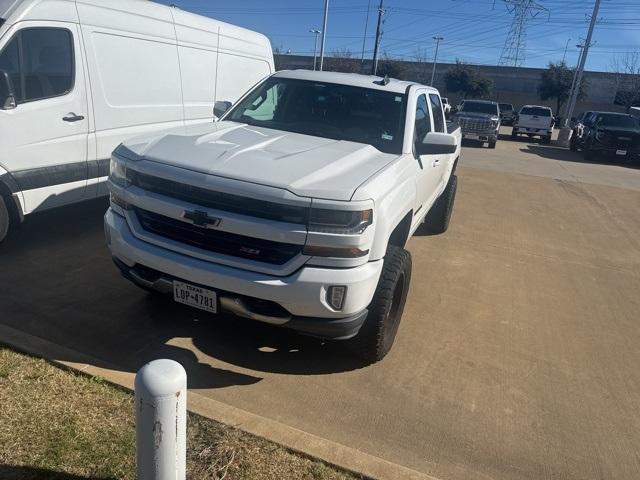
(305, 165)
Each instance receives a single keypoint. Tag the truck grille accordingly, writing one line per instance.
(218, 200)
(216, 241)
(474, 125)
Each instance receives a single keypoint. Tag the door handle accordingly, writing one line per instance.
(72, 117)
(436, 162)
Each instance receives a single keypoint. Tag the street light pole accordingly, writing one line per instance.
(316, 32)
(564, 56)
(324, 32)
(435, 59)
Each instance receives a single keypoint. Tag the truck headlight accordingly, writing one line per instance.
(118, 172)
(345, 222)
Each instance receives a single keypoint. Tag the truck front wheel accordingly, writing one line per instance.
(5, 219)
(378, 333)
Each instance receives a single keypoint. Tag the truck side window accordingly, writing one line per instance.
(438, 118)
(423, 122)
(40, 62)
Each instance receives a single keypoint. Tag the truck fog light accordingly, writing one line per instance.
(120, 202)
(336, 295)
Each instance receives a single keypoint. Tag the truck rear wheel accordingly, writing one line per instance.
(5, 219)
(378, 333)
(437, 220)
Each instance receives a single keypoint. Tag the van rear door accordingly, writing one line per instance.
(44, 138)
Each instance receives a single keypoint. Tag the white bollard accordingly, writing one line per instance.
(161, 421)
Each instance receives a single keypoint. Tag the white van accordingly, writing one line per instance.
(77, 77)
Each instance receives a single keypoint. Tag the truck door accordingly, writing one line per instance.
(43, 135)
(429, 173)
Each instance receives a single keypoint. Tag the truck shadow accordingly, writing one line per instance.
(58, 283)
(15, 472)
(554, 152)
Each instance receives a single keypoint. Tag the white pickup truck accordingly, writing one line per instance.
(294, 209)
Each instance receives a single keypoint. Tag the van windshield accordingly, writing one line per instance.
(480, 107)
(328, 110)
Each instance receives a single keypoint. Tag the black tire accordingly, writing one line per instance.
(493, 144)
(514, 135)
(572, 145)
(378, 333)
(587, 152)
(5, 219)
(546, 140)
(438, 218)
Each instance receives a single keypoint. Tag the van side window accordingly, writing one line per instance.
(10, 62)
(40, 62)
(423, 122)
(438, 118)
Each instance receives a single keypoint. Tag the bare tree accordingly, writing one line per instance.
(341, 60)
(626, 69)
(421, 56)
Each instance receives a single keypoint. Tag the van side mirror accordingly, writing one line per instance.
(435, 143)
(7, 94)
(221, 107)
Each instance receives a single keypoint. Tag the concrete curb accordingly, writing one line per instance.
(336, 454)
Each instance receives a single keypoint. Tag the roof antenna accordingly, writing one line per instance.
(383, 81)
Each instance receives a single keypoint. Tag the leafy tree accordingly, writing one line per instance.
(555, 83)
(467, 81)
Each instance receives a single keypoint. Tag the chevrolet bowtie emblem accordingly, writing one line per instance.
(201, 219)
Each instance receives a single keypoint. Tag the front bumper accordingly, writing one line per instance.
(541, 132)
(615, 150)
(485, 136)
(302, 294)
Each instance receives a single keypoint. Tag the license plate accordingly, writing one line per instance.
(621, 152)
(195, 296)
(472, 137)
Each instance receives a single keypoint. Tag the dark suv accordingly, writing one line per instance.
(507, 114)
(608, 134)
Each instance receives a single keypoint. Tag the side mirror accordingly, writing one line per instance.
(7, 95)
(435, 143)
(221, 107)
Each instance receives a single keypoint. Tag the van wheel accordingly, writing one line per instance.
(378, 333)
(437, 220)
(5, 219)
(492, 144)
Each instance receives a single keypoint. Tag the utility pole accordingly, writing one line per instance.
(573, 83)
(374, 68)
(583, 60)
(324, 32)
(435, 59)
(316, 32)
(366, 28)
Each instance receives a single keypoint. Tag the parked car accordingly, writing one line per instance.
(507, 113)
(295, 208)
(479, 120)
(609, 134)
(534, 121)
(78, 77)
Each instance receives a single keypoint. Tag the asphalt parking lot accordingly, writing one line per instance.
(518, 353)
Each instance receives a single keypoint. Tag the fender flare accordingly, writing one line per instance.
(10, 189)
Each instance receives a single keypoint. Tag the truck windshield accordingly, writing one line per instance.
(480, 107)
(613, 120)
(328, 110)
(506, 107)
(539, 111)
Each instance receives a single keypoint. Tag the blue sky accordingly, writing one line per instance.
(473, 30)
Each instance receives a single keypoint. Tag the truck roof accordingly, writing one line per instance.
(352, 79)
(491, 102)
